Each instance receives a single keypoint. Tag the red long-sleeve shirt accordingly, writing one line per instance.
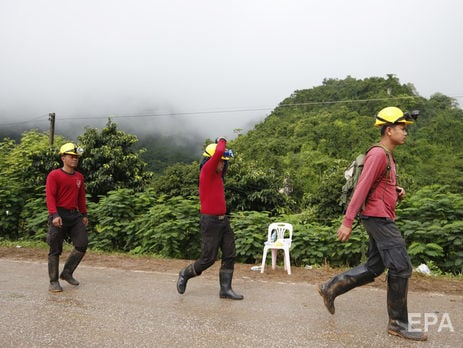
(211, 187)
(66, 191)
(383, 200)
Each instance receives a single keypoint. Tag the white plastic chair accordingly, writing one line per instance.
(279, 237)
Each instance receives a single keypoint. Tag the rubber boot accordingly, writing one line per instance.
(397, 289)
(342, 283)
(53, 270)
(183, 276)
(71, 264)
(226, 291)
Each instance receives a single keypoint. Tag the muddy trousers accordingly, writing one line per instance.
(216, 234)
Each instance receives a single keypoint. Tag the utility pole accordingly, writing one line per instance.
(51, 135)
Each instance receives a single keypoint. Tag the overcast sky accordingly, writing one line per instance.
(211, 66)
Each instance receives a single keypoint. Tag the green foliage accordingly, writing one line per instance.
(110, 163)
(432, 223)
(313, 244)
(30, 161)
(113, 219)
(250, 188)
(23, 171)
(289, 167)
(170, 229)
(178, 180)
(250, 229)
(314, 134)
(423, 252)
(11, 203)
(140, 223)
(34, 217)
(167, 151)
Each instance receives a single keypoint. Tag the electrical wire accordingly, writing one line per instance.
(209, 112)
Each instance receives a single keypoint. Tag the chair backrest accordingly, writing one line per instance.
(283, 230)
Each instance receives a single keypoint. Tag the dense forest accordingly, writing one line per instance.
(289, 167)
(312, 136)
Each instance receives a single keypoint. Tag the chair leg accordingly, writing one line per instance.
(274, 258)
(287, 261)
(264, 256)
(285, 264)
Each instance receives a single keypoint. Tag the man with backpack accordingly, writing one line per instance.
(375, 198)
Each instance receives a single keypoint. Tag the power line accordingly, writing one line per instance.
(233, 110)
(45, 116)
(190, 113)
(209, 112)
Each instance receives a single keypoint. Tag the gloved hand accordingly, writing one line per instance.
(218, 138)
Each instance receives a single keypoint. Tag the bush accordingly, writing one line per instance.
(432, 224)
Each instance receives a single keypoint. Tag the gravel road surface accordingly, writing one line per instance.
(126, 308)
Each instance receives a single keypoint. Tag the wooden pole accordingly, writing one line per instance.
(51, 136)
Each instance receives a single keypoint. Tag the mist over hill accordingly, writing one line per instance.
(333, 119)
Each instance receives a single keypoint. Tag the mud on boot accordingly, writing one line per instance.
(53, 270)
(342, 283)
(226, 290)
(71, 264)
(397, 291)
(183, 276)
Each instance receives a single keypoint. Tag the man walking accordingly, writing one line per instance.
(215, 227)
(378, 192)
(66, 203)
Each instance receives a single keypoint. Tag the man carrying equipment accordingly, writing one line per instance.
(215, 227)
(386, 245)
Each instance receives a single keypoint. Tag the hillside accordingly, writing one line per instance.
(311, 137)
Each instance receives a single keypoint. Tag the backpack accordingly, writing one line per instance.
(352, 175)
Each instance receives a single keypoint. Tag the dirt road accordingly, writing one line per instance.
(122, 307)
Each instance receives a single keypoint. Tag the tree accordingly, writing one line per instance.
(249, 187)
(109, 161)
(178, 180)
(23, 172)
(314, 133)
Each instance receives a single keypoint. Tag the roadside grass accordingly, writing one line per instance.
(34, 244)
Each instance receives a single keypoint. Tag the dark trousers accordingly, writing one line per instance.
(386, 248)
(216, 234)
(72, 228)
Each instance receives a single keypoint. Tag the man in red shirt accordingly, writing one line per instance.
(378, 192)
(66, 203)
(215, 227)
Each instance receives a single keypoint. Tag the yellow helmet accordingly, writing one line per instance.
(393, 115)
(70, 149)
(210, 150)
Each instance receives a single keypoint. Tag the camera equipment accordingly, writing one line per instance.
(412, 115)
(228, 153)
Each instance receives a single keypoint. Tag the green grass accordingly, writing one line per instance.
(23, 243)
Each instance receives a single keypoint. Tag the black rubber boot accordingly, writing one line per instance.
(53, 270)
(183, 276)
(71, 264)
(342, 283)
(397, 290)
(226, 290)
